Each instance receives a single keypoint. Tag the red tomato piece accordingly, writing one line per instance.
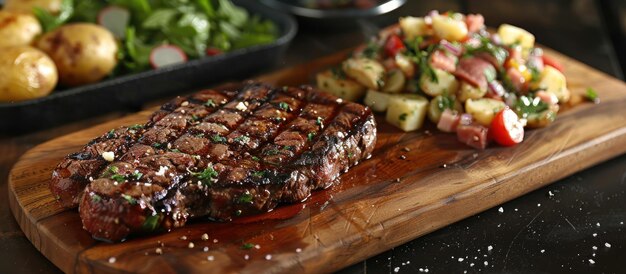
(548, 61)
(506, 128)
(394, 45)
(213, 51)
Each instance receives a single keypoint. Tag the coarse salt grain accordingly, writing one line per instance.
(183, 238)
(607, 245)
(538, 205)
(206, 249)
(591, 261)
(112, 260)
(486, 263)
(298, 250)
(543, 250)
(215, 241)
(489, 248)
(210, 258)
(246, 257)
(594, 234)
(460, 259)
(501, 210)
(205, 237)
(396, 269)
(158, 251)
(191, 245)
(268, 257)
(597, 224)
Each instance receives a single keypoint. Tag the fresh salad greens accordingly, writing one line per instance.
(197, 27)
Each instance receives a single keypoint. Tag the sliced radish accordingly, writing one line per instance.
(115, 19)
(166, 55)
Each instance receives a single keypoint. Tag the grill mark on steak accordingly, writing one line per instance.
(172, 187)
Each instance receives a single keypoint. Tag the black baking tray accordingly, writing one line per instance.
(130, 92)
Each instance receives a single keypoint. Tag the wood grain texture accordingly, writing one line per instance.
(366, 213)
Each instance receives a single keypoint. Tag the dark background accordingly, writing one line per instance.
(551, 230)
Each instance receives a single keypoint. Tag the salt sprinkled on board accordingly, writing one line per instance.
(538, 205)
(594, 234)
(501, 210)
(112, 260)
(550, 193)
(268, 257)
(597, 224)
(397, 269)
(594, 247)
(543, 251)
(591, 261)
(486, 263)
(607, 245)
(298, 250)
(489, 248)
(460, 259)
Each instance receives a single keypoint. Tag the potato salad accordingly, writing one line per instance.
(449, 70)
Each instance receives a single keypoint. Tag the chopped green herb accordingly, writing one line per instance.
(157, 145)
(310, 136)
(254, 158)
(372, 50)
(258, 173)
(525, 106)
(118, 178)
(151, 223)
(319, 121)
(136, 126)
(95, 198)
(175, 150)
(403, 117)
(490, 74)
(210, 103)
(129, 199)
(207, 175)
(445, 102)
(338, 73)
(218, 139)
(243, 139)
(287, 147)
(592, 95)
(271, 152)
(200, 135)
(487, 46)
(238, 212)
(350, 155)
(136, 175)
(380, 82)
(247, 246)
(534, 74)
(284, 106)
(195, 118)
(111, 134)
(245, 198)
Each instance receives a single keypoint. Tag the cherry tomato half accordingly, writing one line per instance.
(506, 128)
(394, 45)
(551, 62)
(213, 51)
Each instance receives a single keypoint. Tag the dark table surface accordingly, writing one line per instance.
(575, 225)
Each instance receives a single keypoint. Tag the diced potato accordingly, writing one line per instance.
(445, 83)
(414, 26)
(395, 82)
(449, 28)
(542, 119)
(405, 65)
(340, 86)
(514, 35)
(468, 91)
(376, 100)
(439, 104)
(553, 81)
(368, 72)
(484, 109)
(407, 111)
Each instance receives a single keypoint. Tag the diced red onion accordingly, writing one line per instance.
(495, 38)
(466, 119)
(455, 50)
(496, 87)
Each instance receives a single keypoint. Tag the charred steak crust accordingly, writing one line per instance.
(222, 154)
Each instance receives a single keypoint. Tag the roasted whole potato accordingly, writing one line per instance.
(27, 6)
(26, 73)
(17, 29)
(84, 53)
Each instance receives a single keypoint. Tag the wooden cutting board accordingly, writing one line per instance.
(369, 211)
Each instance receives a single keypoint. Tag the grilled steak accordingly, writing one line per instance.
(218, 154)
